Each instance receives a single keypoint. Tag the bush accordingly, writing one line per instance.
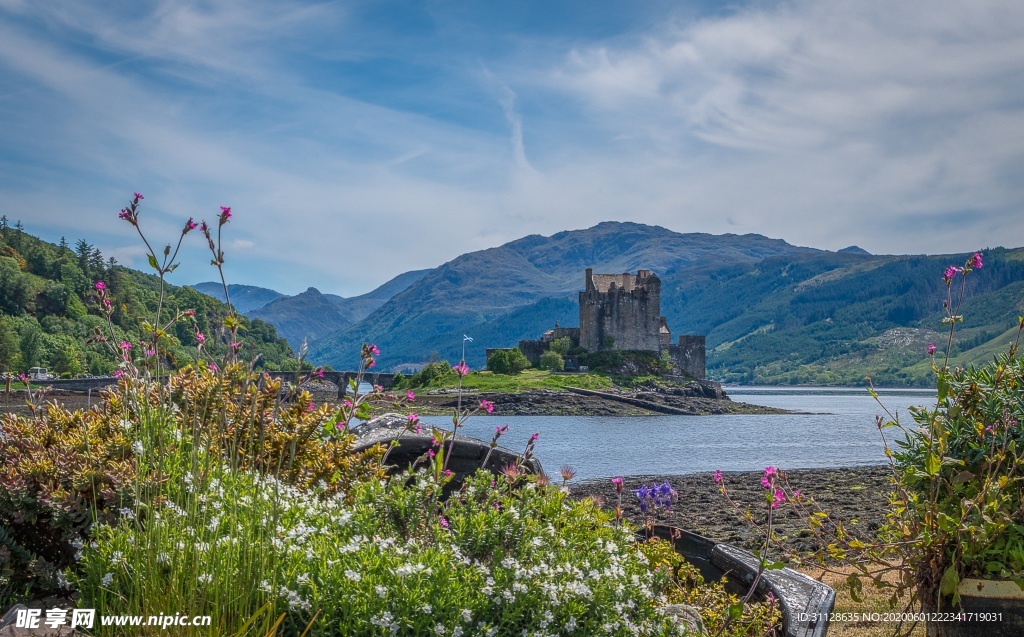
(507, 361)
(436, 373)
(62, 471)
(505, 556)
(552, 361)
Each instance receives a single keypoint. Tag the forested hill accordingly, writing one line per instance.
(49, 307)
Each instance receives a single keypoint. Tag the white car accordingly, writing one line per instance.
(40, 373)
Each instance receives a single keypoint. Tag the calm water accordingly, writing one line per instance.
(838, 431)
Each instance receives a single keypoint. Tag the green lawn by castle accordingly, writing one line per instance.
(530, 379)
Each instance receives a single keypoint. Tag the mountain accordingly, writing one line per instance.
(312, 315)
(772, 312)
(244, 298)
(485, 290)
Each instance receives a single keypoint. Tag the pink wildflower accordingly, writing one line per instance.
(618, 484)
(444, 522)
(106, 302)
(447, 473)
(769, 476)
(951, 272)
(236, 346)
(225, 214)
(534, 437)
(431, 453)
(976, 261)
(348, 403)
(340, 425)
(374, 350)
(717, 477)
(138, 196)
(413, 418)
(118, 373)
(100, 285)
(212, 367)
(487, 406)
(150, 353)
(125, 345)
(931, 349)
(320, 372)
(311, 407)
(778, 497)
(200, 337)
(461, 369)
(190, 225)
(409, 395)
(125, 214)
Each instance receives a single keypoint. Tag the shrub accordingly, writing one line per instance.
(552, 361)
(62, 471)
(505, 556)
(507, 361)
(436, 373)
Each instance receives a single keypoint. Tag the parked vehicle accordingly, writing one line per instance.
(40, 373)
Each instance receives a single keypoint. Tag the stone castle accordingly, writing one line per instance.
(623, 312)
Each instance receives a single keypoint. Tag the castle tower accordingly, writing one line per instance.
(621, 311)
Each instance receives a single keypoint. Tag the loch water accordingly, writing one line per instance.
(835, 428)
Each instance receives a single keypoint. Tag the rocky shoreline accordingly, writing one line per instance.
(698, 399)
(857, 496)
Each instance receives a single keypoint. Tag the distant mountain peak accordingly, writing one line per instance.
(853, 250)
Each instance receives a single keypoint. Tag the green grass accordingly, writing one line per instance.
(533, 379)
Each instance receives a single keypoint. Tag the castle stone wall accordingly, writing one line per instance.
(620, 312)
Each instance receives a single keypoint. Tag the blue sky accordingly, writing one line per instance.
(358, 140)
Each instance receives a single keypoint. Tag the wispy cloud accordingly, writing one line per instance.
(356, 141)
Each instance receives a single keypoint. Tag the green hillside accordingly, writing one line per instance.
(49, 307)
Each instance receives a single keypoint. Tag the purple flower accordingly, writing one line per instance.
(100, 285)
(487, 406)
(461, 369)
(769, 476)
(190, 225)
(126, 214)
(931, 349)
(951, 272)
(534, 437)
(976, 261)
(138, 196)
(225, 214)
(717, 477)
(444, 522)
(618, 484)
(409, 395)
(118, 373)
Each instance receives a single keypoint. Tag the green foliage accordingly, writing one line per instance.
(48, 299)
(505, 556)
(711, 599)
(434, 374)
(531, 379)
(561, 345)
(63, 470)
(963, 469)
(552, 361)
(507, 361)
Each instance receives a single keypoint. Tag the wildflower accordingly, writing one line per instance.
(320, 372)
(374, 350)
(225, 214)
(931, 349)
(769, 476)
(951, 272)
(190, 225)
(413, 418)
(138, 196)
(311, 407)
(976, 261)
(200, 337)
(100, 285)
(447, 473)
(381, 590)
(236, 346)
(117, 374)
(778, 497)
(126, 215)
(138, 448)
(107, 579)
(500, 429)
(717, 476)
(567, 471)
(150, 353)
(212, 367)
(205, 578)
(618, 484)
(461, 369)
(443, 522)
(487, 406)
(427, 609)
(409, 395)
(125, 346)
(467, 615)
(543, 480)
(352, 575)
(511, 471)
(534, 437)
